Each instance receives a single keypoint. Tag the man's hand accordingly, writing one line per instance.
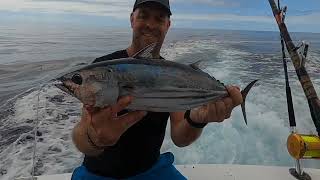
(217, 111)
(104, 126)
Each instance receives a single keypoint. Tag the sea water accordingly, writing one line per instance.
(31, 56)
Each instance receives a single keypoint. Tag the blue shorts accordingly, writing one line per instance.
(162, 169)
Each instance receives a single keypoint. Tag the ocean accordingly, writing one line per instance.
(32, 55)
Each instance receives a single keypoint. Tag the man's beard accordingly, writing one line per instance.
(147, 37)
(146, 40)
(142, 40)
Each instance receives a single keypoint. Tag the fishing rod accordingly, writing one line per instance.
(299, 65)
(300, 146)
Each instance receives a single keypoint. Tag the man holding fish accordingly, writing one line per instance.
(123, 142)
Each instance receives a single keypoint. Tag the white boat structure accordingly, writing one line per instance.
(220, 172)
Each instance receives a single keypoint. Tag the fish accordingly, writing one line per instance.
(156, 85)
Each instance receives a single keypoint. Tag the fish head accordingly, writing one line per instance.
(93, 87)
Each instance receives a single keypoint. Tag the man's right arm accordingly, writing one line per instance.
(100, 128)
(81, 140)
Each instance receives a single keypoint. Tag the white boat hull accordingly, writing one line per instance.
(223, 172)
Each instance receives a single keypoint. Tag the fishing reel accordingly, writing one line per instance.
(303, 146)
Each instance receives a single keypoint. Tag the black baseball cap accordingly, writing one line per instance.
(164, 3)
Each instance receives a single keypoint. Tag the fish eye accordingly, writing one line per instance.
(77, 79)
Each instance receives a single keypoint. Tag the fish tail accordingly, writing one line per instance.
(244, 95)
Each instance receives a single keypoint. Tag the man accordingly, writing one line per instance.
(126, 145)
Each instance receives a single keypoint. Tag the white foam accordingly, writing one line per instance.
(263, 141)
(55, 151)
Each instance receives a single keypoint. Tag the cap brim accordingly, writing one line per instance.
(165, 7)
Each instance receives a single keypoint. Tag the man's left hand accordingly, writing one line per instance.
(218, 111)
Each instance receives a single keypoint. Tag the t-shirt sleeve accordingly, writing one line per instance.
(103, 58)
(114, 55)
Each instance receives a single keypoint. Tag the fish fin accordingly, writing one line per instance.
(219, 82)
(196, 65)
(126, 88)
(146, 52)
(244, 95)
(243, 108)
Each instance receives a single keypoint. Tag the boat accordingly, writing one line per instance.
(221, 172)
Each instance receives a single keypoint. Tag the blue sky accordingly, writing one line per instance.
(303, 16)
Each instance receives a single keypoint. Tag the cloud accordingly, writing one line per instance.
(292, 19)
(222, 17)
(113, 8)
(304, 19)
(117, 8)
(213, 3)
(121, 9)
(90, 2)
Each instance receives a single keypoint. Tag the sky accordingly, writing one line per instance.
(302, 15)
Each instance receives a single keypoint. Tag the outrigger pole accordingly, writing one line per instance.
(299, 146)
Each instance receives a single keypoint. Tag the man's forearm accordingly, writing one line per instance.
(182, 133)
(81, 141)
